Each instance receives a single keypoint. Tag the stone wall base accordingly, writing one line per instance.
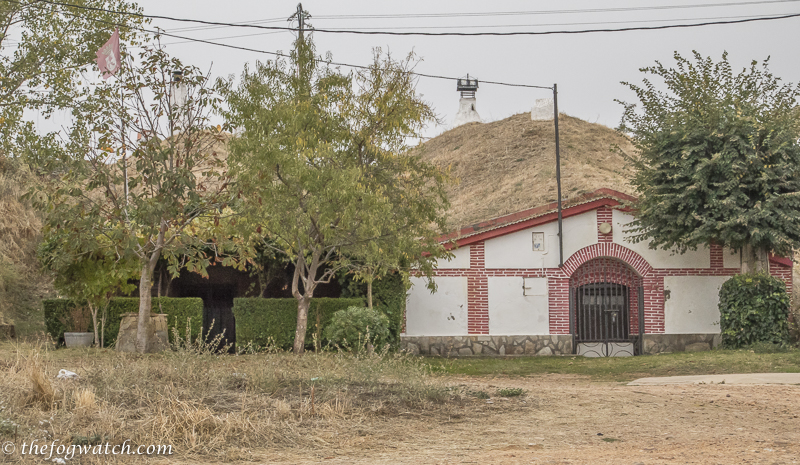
(464, 346)
(556, 344)
(158, 340)
(661, 343)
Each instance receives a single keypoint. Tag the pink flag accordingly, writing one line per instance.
(108, 58)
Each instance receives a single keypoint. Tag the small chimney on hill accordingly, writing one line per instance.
(466, 105)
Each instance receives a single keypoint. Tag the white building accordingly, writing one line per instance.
(504, 292)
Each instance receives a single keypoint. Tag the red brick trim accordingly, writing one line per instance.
(605, 215)
(477, 292)
(607, 249)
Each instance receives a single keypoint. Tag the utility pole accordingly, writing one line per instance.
(301, 16)
(558, 179)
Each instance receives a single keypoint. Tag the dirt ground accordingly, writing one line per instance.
(571, 420)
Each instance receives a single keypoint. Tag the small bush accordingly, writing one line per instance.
(753, 308)
(510, 392)
(388, 295)
(358, 326)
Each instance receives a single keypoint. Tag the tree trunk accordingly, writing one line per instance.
(369, 293)
(302, 323)
(755, 259)
(145, 306)
(93, 310)
(103, 326)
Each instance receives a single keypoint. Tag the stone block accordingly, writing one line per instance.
(465, 351)
(157, 333)
(697, 347)
(530, 348)
(545, 351)
(477, 349)
(424, 345)
(412, 348)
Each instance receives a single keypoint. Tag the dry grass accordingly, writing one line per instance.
(509, 165)
(21, 284)
(207, 407)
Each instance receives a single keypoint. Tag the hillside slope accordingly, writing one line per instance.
(509, 165)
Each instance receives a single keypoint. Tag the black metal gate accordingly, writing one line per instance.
(606, 305)
(602, 312)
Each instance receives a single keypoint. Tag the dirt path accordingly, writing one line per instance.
(568, 419)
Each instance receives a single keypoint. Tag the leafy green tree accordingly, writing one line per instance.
(719, 159)
(93, 279)
(45, 47)
(322, 164)
(146, 179)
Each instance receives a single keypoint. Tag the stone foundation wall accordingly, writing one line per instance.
(661, 343)
(561, 344)
(464, 346)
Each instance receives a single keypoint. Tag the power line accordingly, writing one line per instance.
(432, 34)
(501, 13)
(283, 55)
(547, 12)
(633, 21)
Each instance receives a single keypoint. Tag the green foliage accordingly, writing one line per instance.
(177, 309)
(356, 327)
(272, 322)
(46, 52)
(510, 392)
(754, 308)
(388, 295)
(124, 203)
(324, 170)
(719, 159)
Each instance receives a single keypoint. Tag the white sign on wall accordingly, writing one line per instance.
(538, 242)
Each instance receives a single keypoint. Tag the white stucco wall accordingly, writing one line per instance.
(513, 313)
(461, 259)
(731, 258)
(515, 250)
(443, 313)
(658, 258)
(693, 304)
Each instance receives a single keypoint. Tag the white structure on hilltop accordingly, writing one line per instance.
(466, 105)
(542, 110)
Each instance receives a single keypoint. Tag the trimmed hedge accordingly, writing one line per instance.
(177, 309)
(259, 319)
(754, 308)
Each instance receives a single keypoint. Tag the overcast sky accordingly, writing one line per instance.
(587, 67)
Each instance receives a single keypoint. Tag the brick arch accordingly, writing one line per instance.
(607, 249)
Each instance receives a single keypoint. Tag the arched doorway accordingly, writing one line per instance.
(606, 308)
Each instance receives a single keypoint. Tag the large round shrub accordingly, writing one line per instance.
(753, 308)
(350, 328)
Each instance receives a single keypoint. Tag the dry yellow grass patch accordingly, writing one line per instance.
(208, 407)
(509, 165)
